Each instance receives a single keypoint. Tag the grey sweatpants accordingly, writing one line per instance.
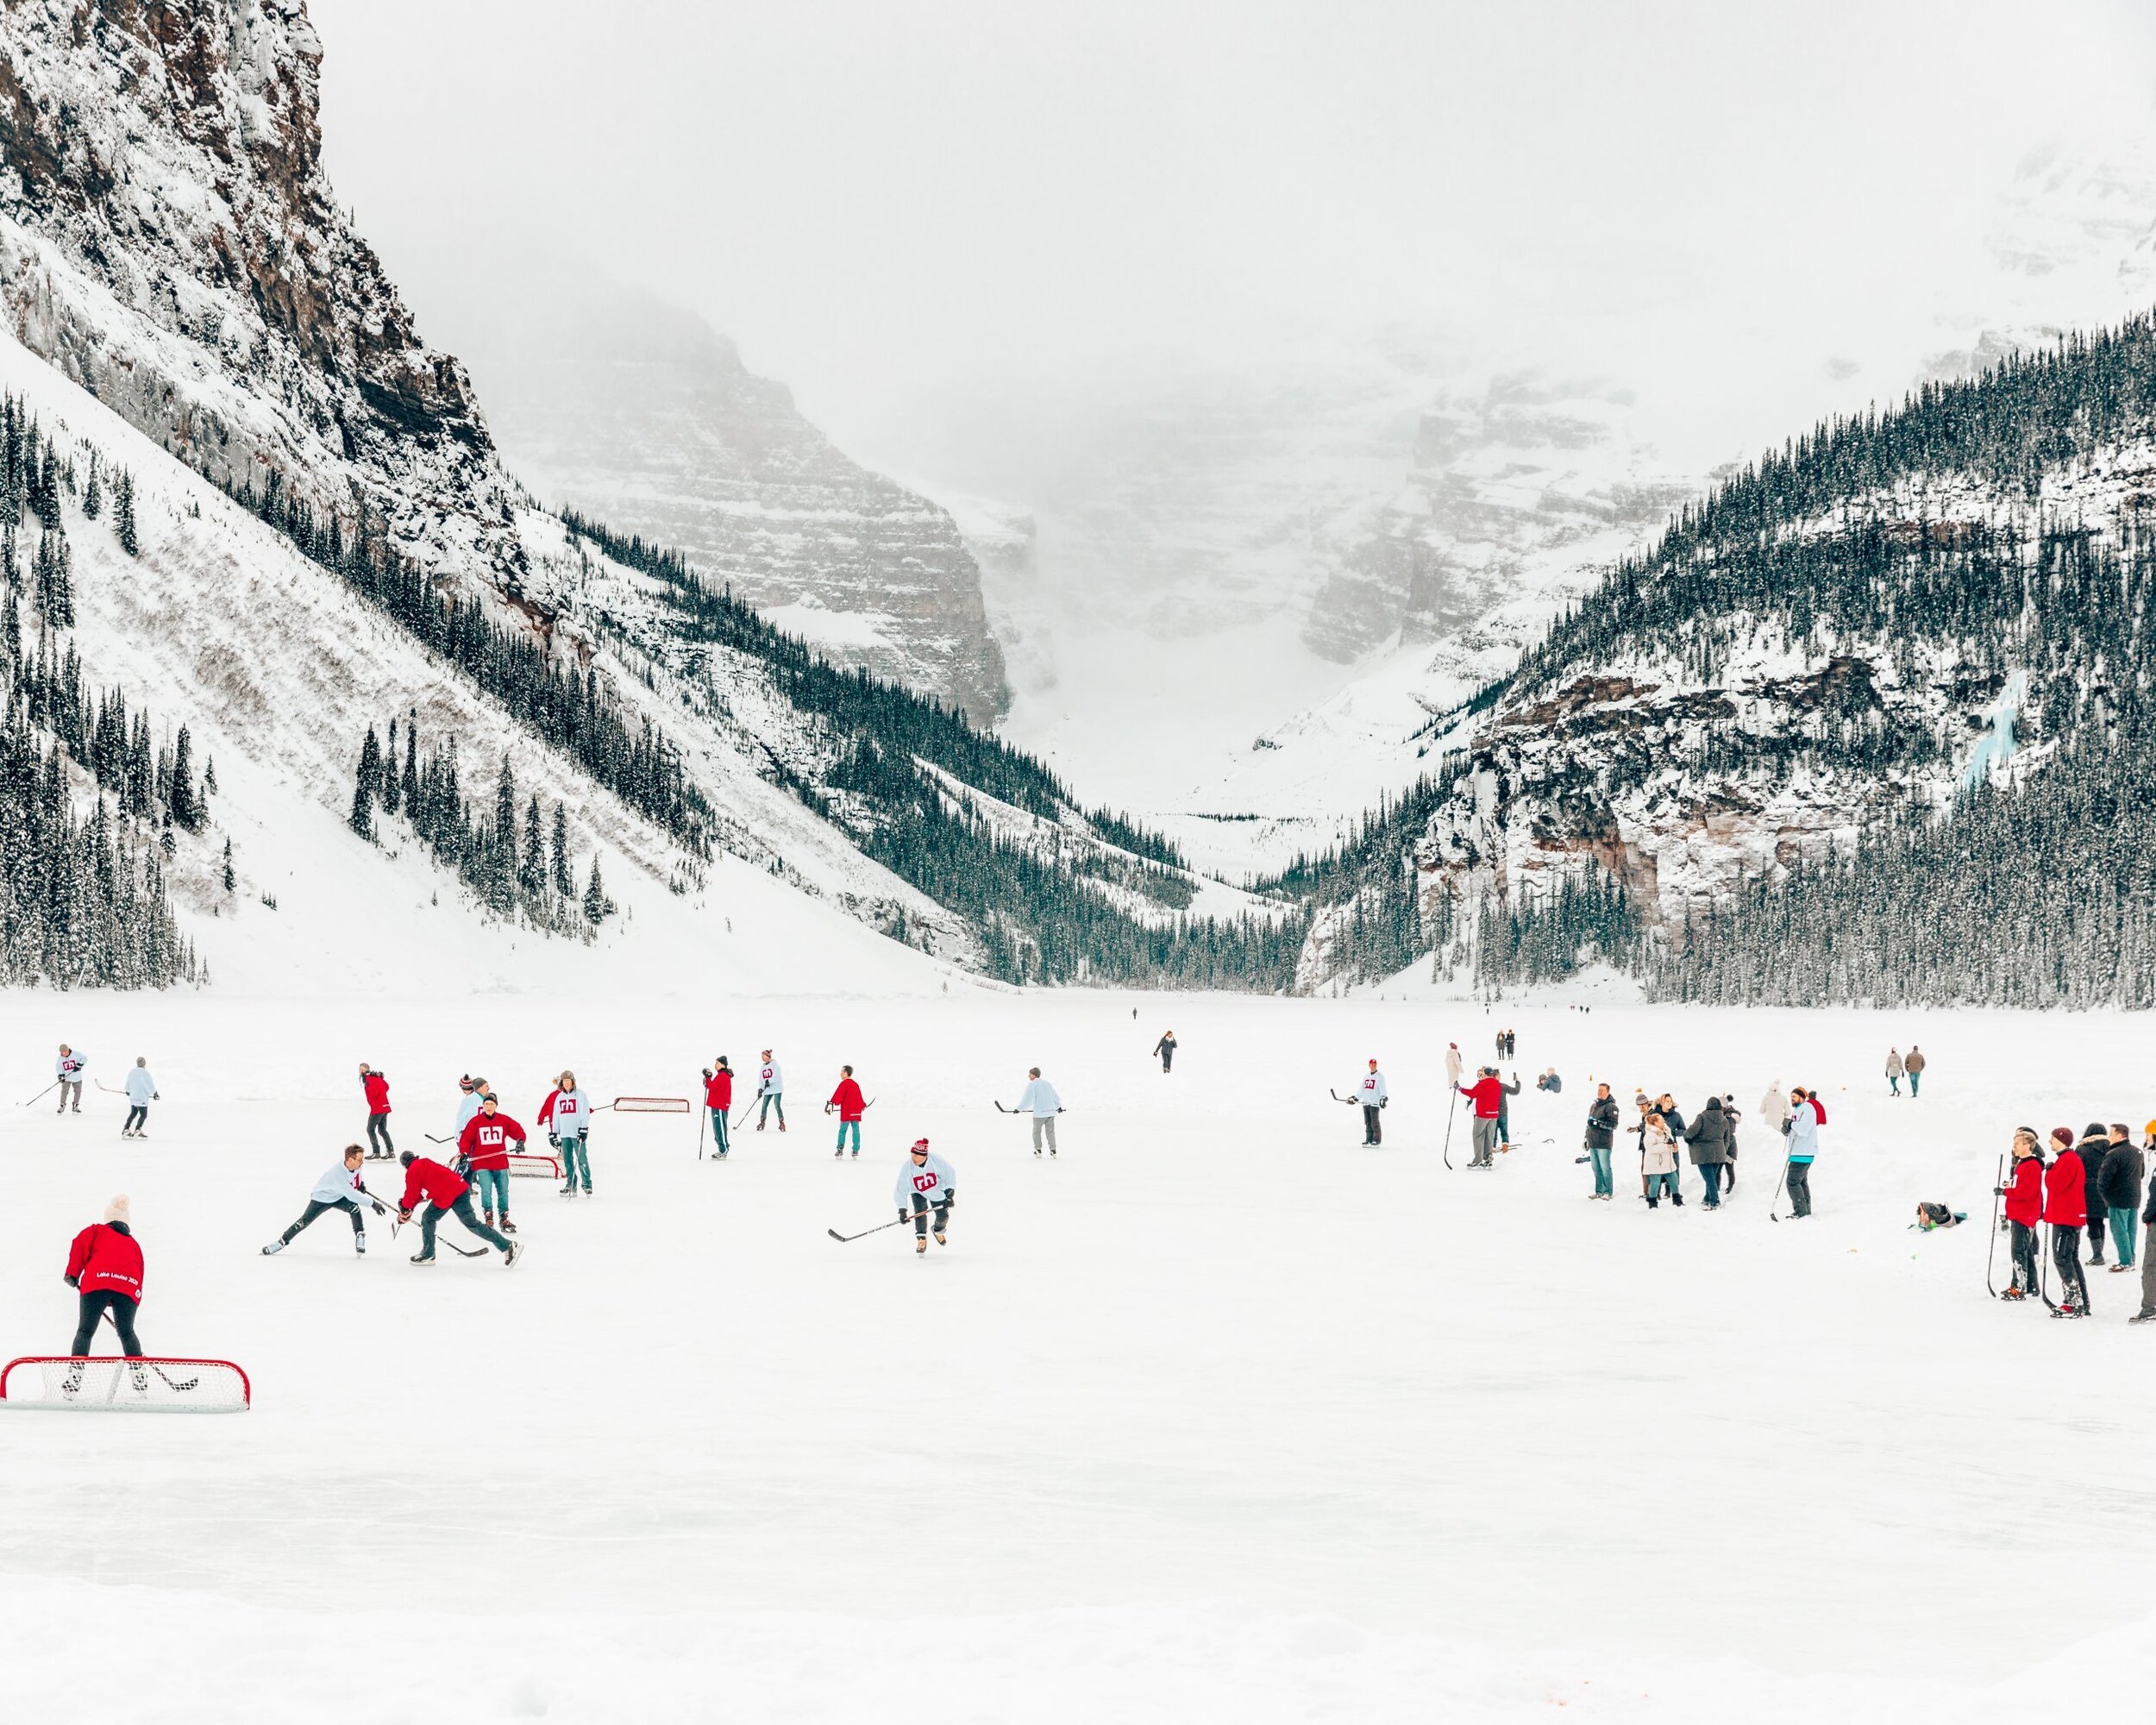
(1485, 1140)
(1044, 1125)
(2148, 1268)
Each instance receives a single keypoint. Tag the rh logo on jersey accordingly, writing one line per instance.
(924, 1182)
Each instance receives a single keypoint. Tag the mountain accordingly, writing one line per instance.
(631, 411)
(323, 542)
(1872, 722)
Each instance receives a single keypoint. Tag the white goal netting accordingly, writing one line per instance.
(108, 1385)
(534, 1166)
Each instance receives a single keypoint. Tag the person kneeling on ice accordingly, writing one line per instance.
(104, 1268)
(847, 1099)
(2024, 1196)
(141, 1091)
(442, 1190)
(338, 1189)
(927, 1182)
(484, 1144)
(568, 1124)
(1931, 1217)
(1372, 1096)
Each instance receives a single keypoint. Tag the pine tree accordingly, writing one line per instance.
(123, 514)
(55, 579)
(230, 880)
(564, 881)
(93, 496)
(209, 776)
(597, 905)
(185, 807)
(362, 818)
(532, 875)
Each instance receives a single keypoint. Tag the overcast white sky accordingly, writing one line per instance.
(914, 211)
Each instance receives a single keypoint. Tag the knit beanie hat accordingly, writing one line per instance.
(2063, 1135)
(116, 1211)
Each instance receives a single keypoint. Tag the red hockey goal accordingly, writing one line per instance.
(528, 1167)
(104, 1384)
(651, 1104)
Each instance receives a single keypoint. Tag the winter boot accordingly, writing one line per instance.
(2142, 1318)
(2014, 1294)
(1677, 1199)
(273, 1248)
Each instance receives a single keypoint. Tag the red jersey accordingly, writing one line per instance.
(377, 1093)
(1487, 1095)
(428, 1181)
(847, 1099)
(2066, 1192)
(2025, 1192)
(718, 1091)
(486, 1139)
(104, 1259)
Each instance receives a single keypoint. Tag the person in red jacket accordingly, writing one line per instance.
(847, 1099)
(718, 1098)
(104, 1268)
(379, 1148)
(484, 1144)
(442, 1190)
(1488, 1095)
(2067, 1208)
(2024, 1196)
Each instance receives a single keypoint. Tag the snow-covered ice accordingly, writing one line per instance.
(1220, 1415)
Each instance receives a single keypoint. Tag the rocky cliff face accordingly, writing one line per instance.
(639, 414)
(168, 240)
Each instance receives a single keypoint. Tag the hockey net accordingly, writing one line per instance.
(104, 1384)
(534, 1166)
(651, 1104)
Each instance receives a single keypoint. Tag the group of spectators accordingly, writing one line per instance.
(1709, 1140)
(2090, 1184)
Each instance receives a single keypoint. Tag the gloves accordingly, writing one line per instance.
(1387, 1100)
(404, 1215)
(381, 1210)
(903, 1214)
(950, 1200)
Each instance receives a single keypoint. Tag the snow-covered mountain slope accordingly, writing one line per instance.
(620, 406)
(278, 669)
(1834, 646)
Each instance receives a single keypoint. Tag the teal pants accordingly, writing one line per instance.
(490, 1186)
(574, 1156)
(2123, 1220)
(853, 1126)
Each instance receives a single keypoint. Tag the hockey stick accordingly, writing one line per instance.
(865, 1233)
(1337, 1097)
(1991, 1246)
(41, 1094)
(1451, 1108)
(158, 1370)
(700, 1123)
(1774, 1202)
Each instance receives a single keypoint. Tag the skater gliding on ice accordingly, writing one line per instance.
(376, 1085)
(927, 1182)
(339, 1188)
(1039, 1099)
(141, 1091)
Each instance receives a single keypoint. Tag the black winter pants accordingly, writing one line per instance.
(378, 1135)
(921, 1215)
(1373, 1132)
(315, 1207)
(432, 1217)
(93, 1307)
(1800, 1188)
(2066, 1258)
(138, 1115)
(2024, 1256)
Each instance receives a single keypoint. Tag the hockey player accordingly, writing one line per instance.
(925, 1183)
(719, 1099)
(141, 1091)
(442, 1190)
(484, 1144)
(376, 1085)
(68, 1069)
(568, 1124)
(1488, 1095)
(770, 1091)
(1166, 1049)
(104, 1267)
(470, 1091)
(1039, 1099)
(847, 1099)
(339, 1188)
(1372, 1097)
(2024, 1196)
